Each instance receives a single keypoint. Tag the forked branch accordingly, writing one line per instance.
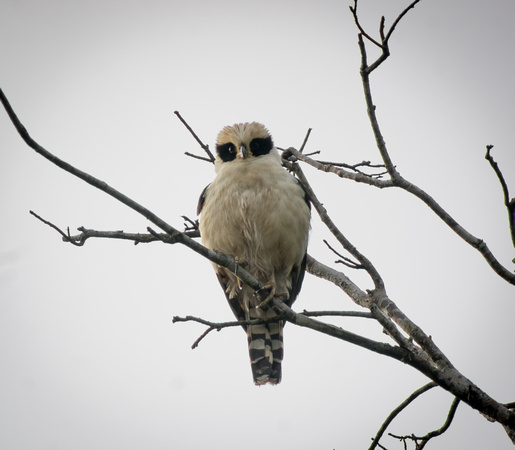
(205, 147)
(421, 441)
(397, 411)
(396, 180)
(385, 37)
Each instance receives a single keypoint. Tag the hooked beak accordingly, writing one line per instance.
(243, 152)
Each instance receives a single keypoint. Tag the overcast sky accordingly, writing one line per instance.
(90, 358)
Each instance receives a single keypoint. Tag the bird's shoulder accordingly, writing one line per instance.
(202, 200)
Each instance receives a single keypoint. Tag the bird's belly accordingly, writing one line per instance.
(264, 226)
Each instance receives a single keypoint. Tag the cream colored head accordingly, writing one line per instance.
(243, 140)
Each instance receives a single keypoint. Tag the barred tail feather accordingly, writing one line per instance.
(266, 352)
(276, 336)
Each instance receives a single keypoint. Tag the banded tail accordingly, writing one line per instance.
(265, 349)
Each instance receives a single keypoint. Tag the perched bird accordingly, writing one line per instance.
(258, 213)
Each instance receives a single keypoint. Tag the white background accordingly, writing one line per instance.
(90, 358)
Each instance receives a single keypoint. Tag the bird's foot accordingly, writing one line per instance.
(270, 290)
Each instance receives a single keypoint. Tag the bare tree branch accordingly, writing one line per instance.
(398, 410)
(339, 333)
(66, 236)
(445, 375)
(421, 441)
(396, 179)
(219, 325)
(346, 244)
(191, 226)
(363, 314)
(399, 18)
(404, 184)
(337, 169)
(355, 167)
(344, 260)
(450, 416)
(354, 11)
(101, 185)
(339, 279)
(202, 158)
(510, 204)
(80, 239)
(413, 346)
(383, 45)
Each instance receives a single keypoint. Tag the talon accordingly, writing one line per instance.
(267, 287)
(264, 304)
(236, 265)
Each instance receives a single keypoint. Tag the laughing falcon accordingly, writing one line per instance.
(258, 213)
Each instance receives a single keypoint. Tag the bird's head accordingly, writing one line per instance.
(243, 140)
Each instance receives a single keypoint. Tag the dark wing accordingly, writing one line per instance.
(306, 195)
(297, 273)
(235, 303)
(297, 277)
(202, 200)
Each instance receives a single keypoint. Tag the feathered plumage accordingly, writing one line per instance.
(258, 213)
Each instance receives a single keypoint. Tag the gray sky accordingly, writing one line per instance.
(89, 356)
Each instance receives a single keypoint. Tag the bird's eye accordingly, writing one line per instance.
(261, 146)
(227, 152)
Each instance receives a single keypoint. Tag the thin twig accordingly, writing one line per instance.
(354, 167)
(399, 18)
(190, 225)
(291, 154)
(344, 260)
(397, 410)
(421, 441)
(381, 28)
(204, 146)
(510, 204)
(305, 140)
(450, 416)
(354, 11)
(371, 110)
(66, 236)
(202, 158)
(220, 325)
(138, 238)
(383, 45)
